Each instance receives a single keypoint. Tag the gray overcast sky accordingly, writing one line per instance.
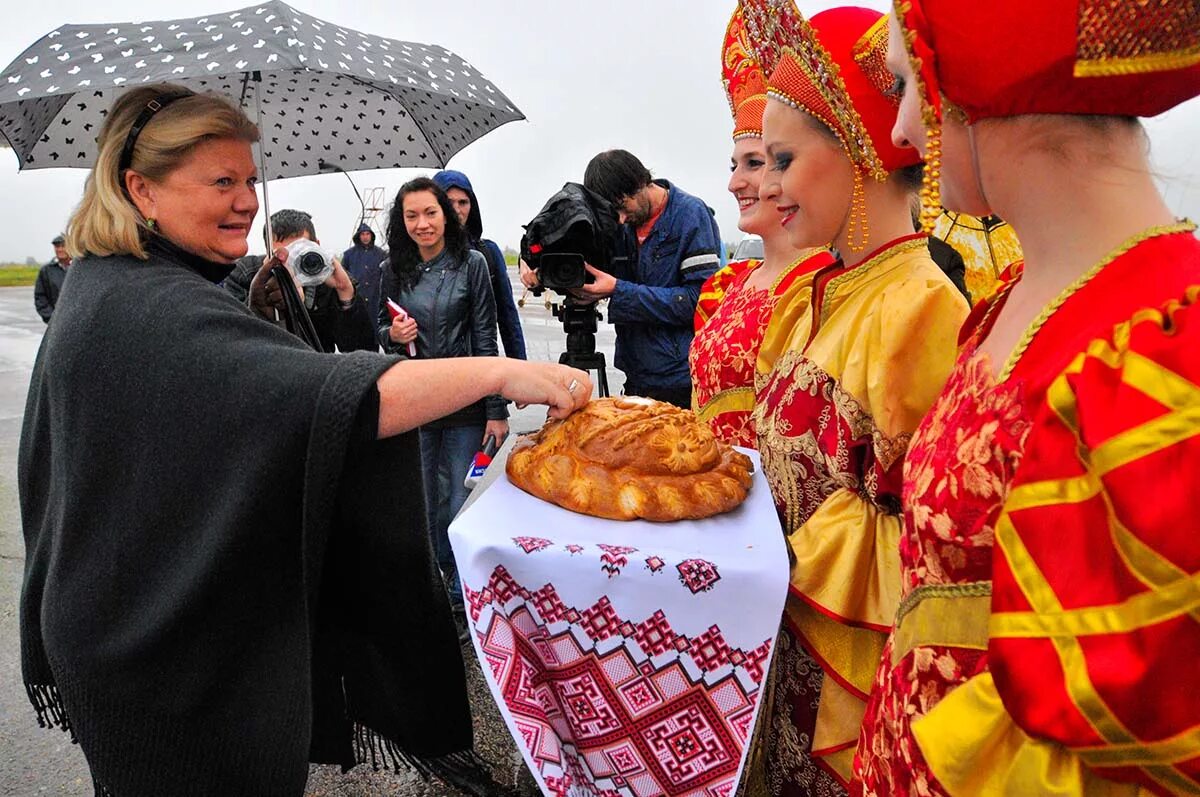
(639, 74)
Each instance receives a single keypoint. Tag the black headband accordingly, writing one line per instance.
(154, 106)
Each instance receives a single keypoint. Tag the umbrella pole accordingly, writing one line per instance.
(262, 159)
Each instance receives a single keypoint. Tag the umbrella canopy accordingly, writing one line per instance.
(987, 244)
(327, 93)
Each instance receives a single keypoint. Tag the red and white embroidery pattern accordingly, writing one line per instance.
(532, 544)
(698, 575)
(614, 558)
(608, 706)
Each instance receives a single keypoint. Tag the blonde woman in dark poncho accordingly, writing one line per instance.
(206, 607)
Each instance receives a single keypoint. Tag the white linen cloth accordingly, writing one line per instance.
(627, 658)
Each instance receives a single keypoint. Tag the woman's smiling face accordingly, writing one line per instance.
(810, 177)
(748, 164)
(207, 203)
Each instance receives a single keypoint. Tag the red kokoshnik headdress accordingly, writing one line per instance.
(745, 85)
(833, 67)
(1109, 57)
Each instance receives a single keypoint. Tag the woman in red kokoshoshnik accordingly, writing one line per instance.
(1048, 636)
(736, 303)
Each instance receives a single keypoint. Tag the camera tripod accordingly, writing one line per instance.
(579, 321)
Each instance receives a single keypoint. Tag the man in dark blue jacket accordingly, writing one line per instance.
(652, 306)
(361, 262)
(462, 197)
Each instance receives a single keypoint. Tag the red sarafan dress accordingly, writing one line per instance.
(713, 291)
(1049, 633)
(725, 349)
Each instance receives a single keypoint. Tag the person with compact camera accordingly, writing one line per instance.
(339, 314)
(652, 299)
(436, 302)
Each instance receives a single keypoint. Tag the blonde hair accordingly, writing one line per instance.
(106, 222)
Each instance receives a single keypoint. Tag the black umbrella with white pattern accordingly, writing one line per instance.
(325, 92)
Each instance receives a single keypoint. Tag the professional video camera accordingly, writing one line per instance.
(574, 227)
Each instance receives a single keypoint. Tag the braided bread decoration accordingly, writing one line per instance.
(625, 458)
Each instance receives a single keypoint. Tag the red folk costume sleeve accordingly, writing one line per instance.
(1094, 654)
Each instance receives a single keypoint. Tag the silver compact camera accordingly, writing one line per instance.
(311, 264)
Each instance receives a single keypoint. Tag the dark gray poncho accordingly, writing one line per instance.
(226, 575)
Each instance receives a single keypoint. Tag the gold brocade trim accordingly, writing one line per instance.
(734, 399)
(870, 53)
(1054, 306)
(1118, 37)
(1161, 62)
(855, 271)
(800, 260)
(968, 589)
(943, 615)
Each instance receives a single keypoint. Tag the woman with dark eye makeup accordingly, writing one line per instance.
(843, 376)
(736, 303)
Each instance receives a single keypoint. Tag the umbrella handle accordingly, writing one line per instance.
(295, 315)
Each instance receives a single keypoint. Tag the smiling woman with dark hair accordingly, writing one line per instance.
(222, 581)
(445, 289)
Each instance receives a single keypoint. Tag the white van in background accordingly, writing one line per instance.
(750, 247)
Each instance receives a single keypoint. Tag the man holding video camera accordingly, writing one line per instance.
(653, 298)
(339, 314)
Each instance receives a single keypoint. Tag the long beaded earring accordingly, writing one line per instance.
(858, 227)
(931, 182)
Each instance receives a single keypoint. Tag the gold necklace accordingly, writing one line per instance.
(1054, 306)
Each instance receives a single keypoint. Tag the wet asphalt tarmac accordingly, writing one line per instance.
(34, 761)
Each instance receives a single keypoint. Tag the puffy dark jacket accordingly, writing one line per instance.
(363, 264)
(456, 317)
(506, 309)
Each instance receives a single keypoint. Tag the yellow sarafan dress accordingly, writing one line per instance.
(844, 377)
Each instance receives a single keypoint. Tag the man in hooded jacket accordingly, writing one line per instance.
(362, 262)
(462, 197)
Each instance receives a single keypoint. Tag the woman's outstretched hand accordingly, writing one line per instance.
(415, 392)
(559, 387)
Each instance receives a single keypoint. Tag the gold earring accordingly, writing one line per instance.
(858, 225)
(931, 182)
(151, 223)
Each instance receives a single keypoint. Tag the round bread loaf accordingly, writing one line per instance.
(625, 458)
